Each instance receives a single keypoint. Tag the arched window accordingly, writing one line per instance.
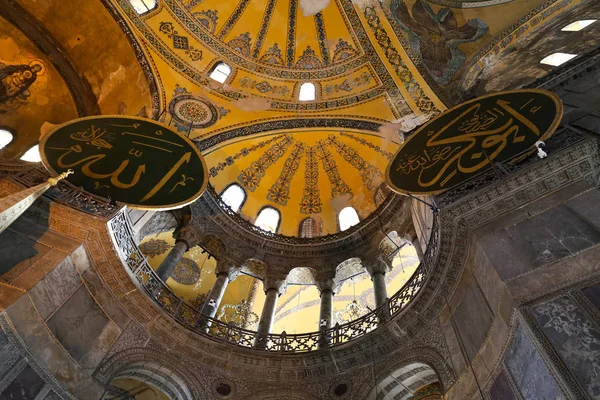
(308, 92)
(268, 219)
(220, 72)
(309, 228)
(347, 218)
(557, 59)
(32, 155)
(143, 6)
(234, 196)
(5, 138)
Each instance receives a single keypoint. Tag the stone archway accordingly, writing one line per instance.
(153, 368)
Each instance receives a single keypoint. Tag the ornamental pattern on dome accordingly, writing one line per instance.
(154, 247)
(279, 193)
(187, 272)
(311, 198)
(250, 177)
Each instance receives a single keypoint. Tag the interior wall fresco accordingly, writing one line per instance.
(453, 39)
(33, 95)
(495, 72)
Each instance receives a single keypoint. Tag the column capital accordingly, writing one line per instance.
(273, 283)
(327, 282)
(227, 267)
(187, 235)
(376, 266)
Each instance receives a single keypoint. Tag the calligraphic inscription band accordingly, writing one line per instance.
(467, 139)
(132, 160)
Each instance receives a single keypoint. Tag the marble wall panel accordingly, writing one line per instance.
(501, 389)
(473, 319)
(553, 235)
(575, 337)
(586, 205)
(593, 295)
(55, 287)
(19, 253)
(505, 255)
(9, 357)
(528, 370)
(78, 323)
(52, 396)
(25, 386)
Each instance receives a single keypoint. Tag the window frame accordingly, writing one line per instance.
(25, 152)
(148, 10)
(12, 132)
(338, 219)
(278, 221)
(300, 91)
(243, 201)
(214, 68)
(316, 228)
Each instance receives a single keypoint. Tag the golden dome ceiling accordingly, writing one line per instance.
(372, 64)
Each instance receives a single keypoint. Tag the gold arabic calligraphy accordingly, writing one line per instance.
(100, 138)
(459, 153)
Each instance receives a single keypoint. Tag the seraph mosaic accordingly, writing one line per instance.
(435, 37)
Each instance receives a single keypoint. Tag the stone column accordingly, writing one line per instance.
(417, 245)
(377, 269)
(184, 240)
(327, 289)
(273, 289)
(226, 272)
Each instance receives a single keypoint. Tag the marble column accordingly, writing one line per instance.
(377, 269)
(273, 288)
(417, 245)
(166, 268)
(325, 315)
(226, 273)
(185, 239)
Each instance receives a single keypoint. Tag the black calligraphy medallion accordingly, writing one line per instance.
(463, 141)
(132, 160)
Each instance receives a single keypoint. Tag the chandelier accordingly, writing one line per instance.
(239, 315)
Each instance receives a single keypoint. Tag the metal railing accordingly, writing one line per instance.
(139, 268)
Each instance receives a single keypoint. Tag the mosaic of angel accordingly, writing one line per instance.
(436, 36)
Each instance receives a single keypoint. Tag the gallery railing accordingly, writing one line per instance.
(122, 234)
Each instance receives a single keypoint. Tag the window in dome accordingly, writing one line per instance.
(557, 59)
(307, 92)
(347, 218)
(5, 138)
(268, 219)
(578, 25)
(220, 72)
(234, 196)
(309, 228)
(143, 6)
(32, 155)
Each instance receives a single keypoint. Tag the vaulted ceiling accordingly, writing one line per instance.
(375, 65)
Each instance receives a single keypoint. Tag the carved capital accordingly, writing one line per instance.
(326, 282)
(376, 266)
(274, 283)
(187, 235)
(227, 267)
